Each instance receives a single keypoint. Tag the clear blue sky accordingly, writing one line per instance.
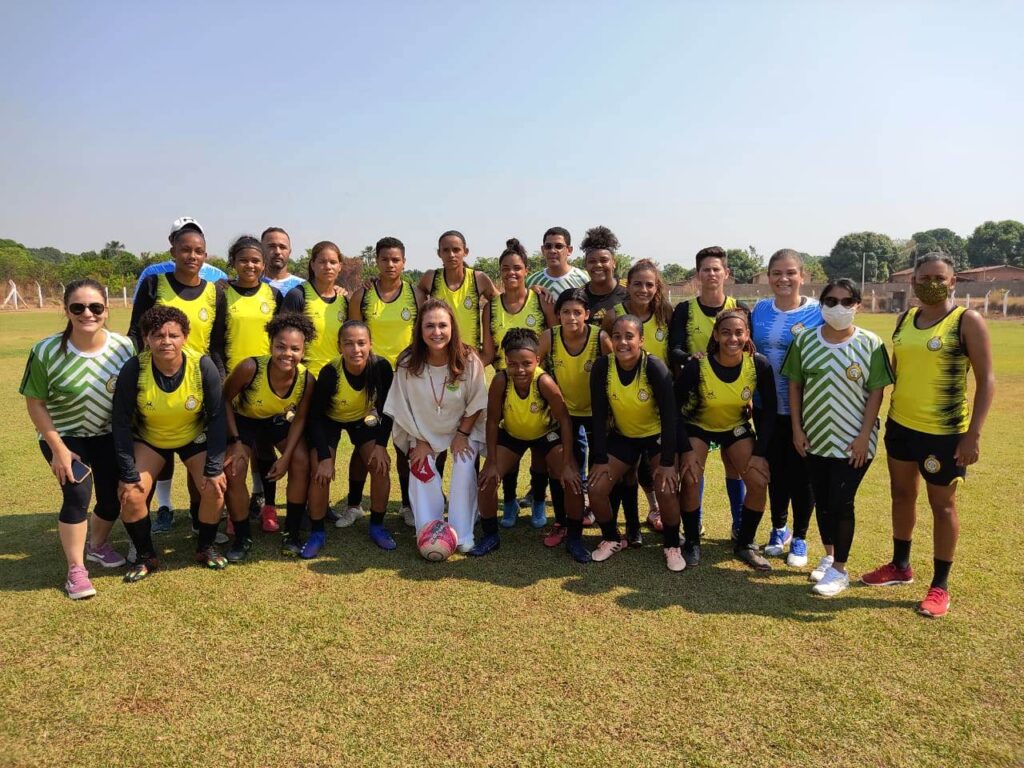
(678, 125)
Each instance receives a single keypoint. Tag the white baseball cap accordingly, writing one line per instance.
(185, 221)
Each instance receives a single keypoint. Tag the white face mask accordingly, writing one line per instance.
(839, 317)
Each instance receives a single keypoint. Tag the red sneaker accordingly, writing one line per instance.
(935, 603)
(888, 575)
(268, 519)
(556, 536)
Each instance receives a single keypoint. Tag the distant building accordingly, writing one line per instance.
(997, 273)
(903, 276)
(761, 278)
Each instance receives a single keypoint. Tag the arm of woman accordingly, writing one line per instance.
(216, 421)
(685, 385)
(979, 352)
(544, 345)
(769, 404)
(678, 341)
(239, 379)
(485, 286)
(487, 353)
(323, 392)
(548, 308)
(295, 432)
(145, 297)
(599, 411)
(495, 403)
(553, 396)
(355, 304)
(792, 369)
(661, 386)
(125, 392)
(219, 330)
(604, 341)
(60, 464)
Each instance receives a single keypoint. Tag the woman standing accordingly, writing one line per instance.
(168, 400)
(837, 374)
(930, 431)
(68, 387)
(437, 401)
(774, 324)
(603, 291)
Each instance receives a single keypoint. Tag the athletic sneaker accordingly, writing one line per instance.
(239, 551)
(589, 521)
(105, 555)
(654, 520)
(539, 515)
(489, 543)
(221, 539)
(290, 548)
(313, 545)
(674, 560)
(777, 542)
(211, 558)
(409, 517)
(935, 603)
(634, 537)
(819, 570)
(577, 551)
(268, 519)
(691, 554)
(888, 575)
(465, 547)
(797, 557)
(832, 583)
(527, 501)
(556, 536)
(606, 549)
(348, 517)
(256, 503)
(752, 557)
(78, 585)
(164, 520)
(509, 513)
(140, 570)
(380, 536)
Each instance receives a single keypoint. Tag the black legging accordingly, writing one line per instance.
(835, 487)
(97, 453)
(790, 483)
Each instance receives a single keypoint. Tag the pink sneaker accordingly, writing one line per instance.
(674, 559)
(888, 575)
(935, 603)
(105, 555)
(606, 549)
(78, 585)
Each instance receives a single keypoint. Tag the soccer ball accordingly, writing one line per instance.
(437, 541)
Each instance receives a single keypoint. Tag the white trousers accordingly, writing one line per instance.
(427, 499)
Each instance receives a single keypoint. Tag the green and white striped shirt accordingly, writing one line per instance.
(837, 379)
(77, 387)
(574, 278)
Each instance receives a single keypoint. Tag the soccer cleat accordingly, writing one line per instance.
(539, 515)
(819, 570)
(832, 583)
(78, 586)
(797, 557)
(691, 554)
(239, 551)
(313, 545)
(290, 547)
(674, 560)
(256, 503)
(556, 536)
(752, 557)
(409, 517)
(489, 543)
(268, 519)
(211, 558)
(606, 549)
(105, 555)
(935, 603)
(634, 537)
(509, 513)
(654, 520)
(888, 575)
(777, 541)
(380, 536)
(164, 520)
(577, 551)
(140, 570)
(348, 517)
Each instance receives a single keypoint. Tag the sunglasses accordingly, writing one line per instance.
(831, 301)
(96, 308)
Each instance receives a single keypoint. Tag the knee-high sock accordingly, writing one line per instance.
(163, 494)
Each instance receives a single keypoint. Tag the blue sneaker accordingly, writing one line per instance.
(164, 520)
(539, 515)
(577, 551)
(797, 553)
(777, 541)
(380, 536)
(486, 545)
(509, 513)
(313, 545)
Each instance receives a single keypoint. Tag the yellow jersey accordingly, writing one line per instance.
(245, 334)
(526, 418)
(699, 326)
(199, 311)
(464, 302)
(655, 334)
(930, 366)
(718, 406)
(572, 372)
(633, 408)
(390, 322)
(327, 317)
(258, 400)
(530, 315)
(348, 404)
(169, 419)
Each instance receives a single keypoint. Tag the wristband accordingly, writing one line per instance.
(232, 439)
(464, 434)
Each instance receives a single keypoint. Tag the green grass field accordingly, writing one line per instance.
(523, 658)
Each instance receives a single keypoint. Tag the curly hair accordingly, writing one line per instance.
(295, 321)
(600, 239)
(154, 318)
(389, 242)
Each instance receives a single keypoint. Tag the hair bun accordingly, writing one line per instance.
(513, 243)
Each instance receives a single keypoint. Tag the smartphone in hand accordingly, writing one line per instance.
(79, 471)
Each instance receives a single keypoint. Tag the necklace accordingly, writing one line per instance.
(438, 401)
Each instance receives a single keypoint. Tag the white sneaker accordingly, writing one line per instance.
(409, 517)
(348, 516)
(823, 565)
(832, 583)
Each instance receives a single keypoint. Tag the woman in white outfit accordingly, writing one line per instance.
(438, 401)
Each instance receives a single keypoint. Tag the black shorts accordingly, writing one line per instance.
(358, 432)
(540, 446)
(586, 423)
(723, 439)
(262, 434)
(628, 450)
(933, 454)
(184, 453)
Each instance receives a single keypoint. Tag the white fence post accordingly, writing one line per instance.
(39, 293)
(985, 310)
(1006, 302)
(124, 295)
(967, 302)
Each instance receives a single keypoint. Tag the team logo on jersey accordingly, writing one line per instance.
(531, 321)
(453, 386)
(854, 372)
(264, 308)
(798, 329)
(204, 314)
(341, 315)
(534, 408)
(932, 465)
(935, 343)
(201, 439)
(660, 334)
(406, 314)
(587, 366)
(643, 395)
(289, 415)
(191, 403)
(468, 303)
(111, 384)
(745, 394)
(740, 431)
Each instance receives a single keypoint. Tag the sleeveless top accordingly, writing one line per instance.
(699, 325)
(199, 311)
(529, 316)
(258, 400)
(526, 418)
(633, 408)
(169, 419)
(572, 372)
(464, 302)
(655, 334)
(327, 317)
(390, 322)
(719, 406)
(245, 334)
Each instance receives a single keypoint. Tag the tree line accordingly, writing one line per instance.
(991, 243)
